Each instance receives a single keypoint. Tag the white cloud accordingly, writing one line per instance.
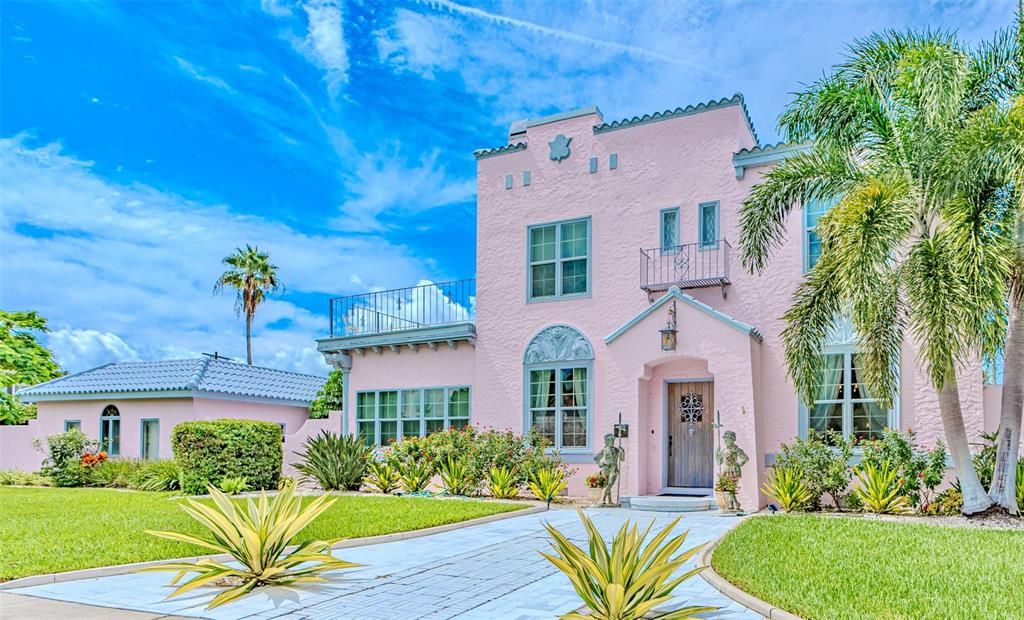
(127, 270)
(277, 8)
(324, 44)
(198, 74)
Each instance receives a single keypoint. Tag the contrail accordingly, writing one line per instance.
(562, 34)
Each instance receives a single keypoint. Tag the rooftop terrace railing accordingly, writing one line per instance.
(692, 265)
(413, 307)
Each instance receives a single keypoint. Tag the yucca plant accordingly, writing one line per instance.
(334, 462)
(234, 485)
(257, 538)
(546, 483)
(503, 483)
(878, 491)
(415, 476)
(629, 579)
(456, 477)
(381, 476)
(786, 486)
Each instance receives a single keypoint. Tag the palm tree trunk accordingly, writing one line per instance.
(975, 498)
(1004, 478)
(248, 338)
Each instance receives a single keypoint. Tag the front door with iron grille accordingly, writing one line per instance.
(691, 434)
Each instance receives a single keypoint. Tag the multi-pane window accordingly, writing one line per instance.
(558, 406)
(670, 230)
(843, 403)
(707, 214)
(559, 259)
(149, 449)
(813, 211)
(386, 416)
(110, 430)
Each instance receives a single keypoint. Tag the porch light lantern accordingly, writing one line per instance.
(668, 333)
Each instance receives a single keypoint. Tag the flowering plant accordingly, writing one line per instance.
(726, 484)
(90, 459)
(597, 481)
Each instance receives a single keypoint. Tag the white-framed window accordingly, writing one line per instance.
(72, 424)
(149, 442)
(813, 211)
(386, 416)
(843, 403)
(110, 430)
(670, 230)
(707, 220)
(558, 402)
(559, 259)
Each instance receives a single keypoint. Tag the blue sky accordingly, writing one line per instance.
(141, 142)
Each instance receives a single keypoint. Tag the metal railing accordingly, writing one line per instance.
(426, 305)
(686, 266)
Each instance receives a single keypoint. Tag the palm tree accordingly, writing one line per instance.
(253, 278)
(908, 247)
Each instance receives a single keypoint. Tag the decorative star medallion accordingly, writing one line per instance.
(559, 147)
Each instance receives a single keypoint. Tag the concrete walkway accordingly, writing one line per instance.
(485, 572)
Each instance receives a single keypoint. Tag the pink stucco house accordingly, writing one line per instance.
(593, 238)
(132, 407)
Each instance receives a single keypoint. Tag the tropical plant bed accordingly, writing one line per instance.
(859, 567)
(48, 530)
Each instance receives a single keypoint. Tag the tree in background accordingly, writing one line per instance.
(253, 277)
(917, 240)
(23, 361)
(330, 396)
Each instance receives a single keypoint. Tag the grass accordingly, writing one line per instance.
(836, 568)
(44, 530)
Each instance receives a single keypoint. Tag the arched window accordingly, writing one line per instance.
(110, 430)
(558, 369)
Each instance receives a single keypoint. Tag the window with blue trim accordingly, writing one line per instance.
(110, 430)
(149, 450)
(670, 230)
(387, 416)
(559, 256)
(72, 424)
(558, 405)
(843, 402)
(708, 218)
(813, 211)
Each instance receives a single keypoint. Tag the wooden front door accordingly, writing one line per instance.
(691, 416)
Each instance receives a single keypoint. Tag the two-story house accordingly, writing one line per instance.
(608, 287)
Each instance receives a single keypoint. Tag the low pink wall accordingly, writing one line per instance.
(310, 428)
(16, 450)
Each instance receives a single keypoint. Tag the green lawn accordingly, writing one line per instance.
(45, 530)
(826, 567)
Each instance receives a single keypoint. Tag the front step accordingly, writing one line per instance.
(671, 503)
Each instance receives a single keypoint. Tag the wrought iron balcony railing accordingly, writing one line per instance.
(686, 266)
(426, 305)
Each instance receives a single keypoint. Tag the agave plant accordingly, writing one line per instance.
(256, 538)
(786, 486)
(381, 476)
(234, 485)
(631, 578)
(546, 483)
(878, 491)
(503, 483)
(334, 462)
(456, 477)
(415, 476)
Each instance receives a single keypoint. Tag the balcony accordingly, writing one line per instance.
(685, 266)
(429, 314)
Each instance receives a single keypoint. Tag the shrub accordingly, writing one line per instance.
(504, 449)
(157, 476)
(597, 480)
(336, 463)
(917, 473)
(113, 473)
(209, 451)
(382, 476)
(456, 477)
(629, 579)
(1020, 484)
(234, 485)
(64, 452)
(503, 483)
(329, 398)
(13, 477)
(879, 490)
(821, 463)
(726, 484)
(414, 476)
(788, 488)
(546, 483)
(947, 503)
(460, 447)
(256, 538)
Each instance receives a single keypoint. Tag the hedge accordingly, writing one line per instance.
(210, 450)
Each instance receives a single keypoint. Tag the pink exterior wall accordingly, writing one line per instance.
(296, 437)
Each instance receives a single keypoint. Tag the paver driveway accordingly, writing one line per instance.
(485, 572)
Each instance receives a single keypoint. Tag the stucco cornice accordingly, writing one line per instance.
(770, 153)
(500, 150)
(689, 110)
(675, 293)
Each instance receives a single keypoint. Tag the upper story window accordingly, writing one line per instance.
(559, 259)
(386, 416)
(813, 211)
(707, 217)
(844, 404)
(669, 229)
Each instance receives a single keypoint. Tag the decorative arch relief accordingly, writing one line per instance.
(842, 332)
(559, 343)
